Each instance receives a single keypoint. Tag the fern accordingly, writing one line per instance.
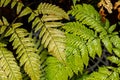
(88, 15)
(85, 37)
(79, 29)
(104, 73)
(55, 70)
(25, 48)
(108, 72)
(26, 52)
(8, 65)
(53, 50)
(52, 38)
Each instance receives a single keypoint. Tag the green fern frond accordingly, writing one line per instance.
(104, 73)
(79, 29)
(75, 54)
(55, 70)
(76, 47)
(88, 16)
(8, 65)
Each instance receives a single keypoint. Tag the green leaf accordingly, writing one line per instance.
(107, 43)
(88, 16)
(84, 54)
(2, 29)
(16, 25)
(51, 18)
(13, 4)
(114, 76)
(6, 3)
(53, 24)
(74, 2)
(97, 46)
(116, 41)
(56, 70)
(46, 8)
(79, 29)
(2, 2)
(35, 22)
(114, 59)
(117, 52)
(110, 30)
(9, 32)
(102, 74)
(107, 24)
(91, 49)
(1, 23)
(32, 16)
(79, 63)
(2, 45)
(39, 26)
(5, 21)
(24, 12)
(19, 7)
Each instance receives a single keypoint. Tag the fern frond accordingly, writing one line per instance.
(79, 29)
(55, 70)
(25, 50)
(75, 45)
(46, 8)
(52, 38)
(9, 65)
(75, 53)
(27, 53)
(88, 16)
(103, 74)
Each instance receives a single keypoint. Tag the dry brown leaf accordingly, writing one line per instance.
(102, 13)
(116, 4)
(106, 4)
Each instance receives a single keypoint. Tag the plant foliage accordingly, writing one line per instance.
(53, 50)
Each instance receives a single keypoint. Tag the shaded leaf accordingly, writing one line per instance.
(24, 12)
